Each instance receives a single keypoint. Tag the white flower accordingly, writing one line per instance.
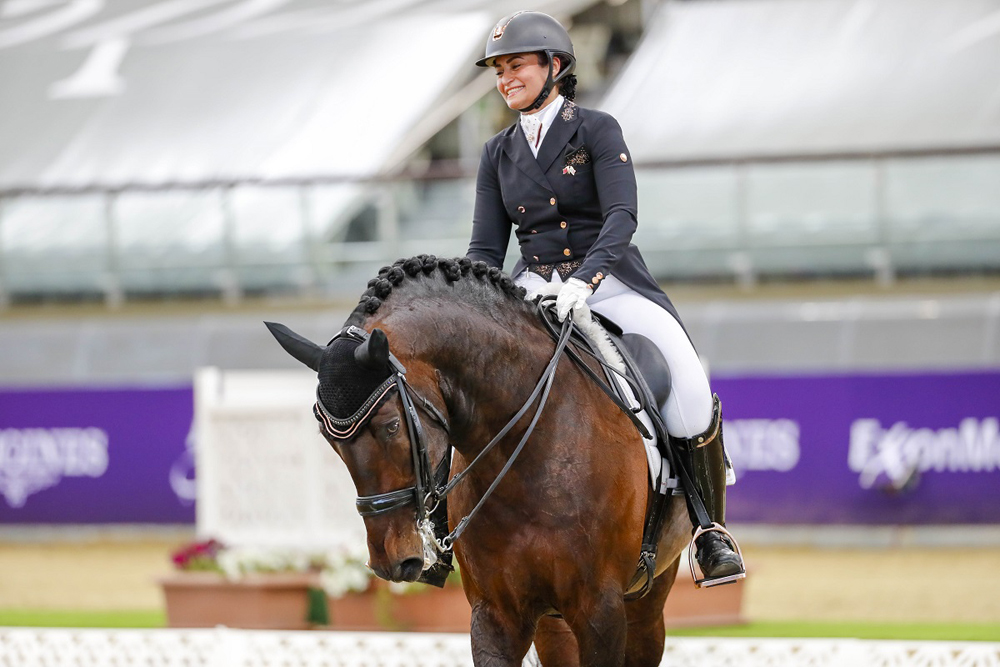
(337, 582)
(236, 562)
(229, 563)
(344, 570)
(341, 570)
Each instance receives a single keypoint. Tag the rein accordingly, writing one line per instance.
(543, 386)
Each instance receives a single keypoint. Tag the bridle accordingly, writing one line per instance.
(430, 489)
(345, 429)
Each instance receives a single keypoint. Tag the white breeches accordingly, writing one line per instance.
(688, 411)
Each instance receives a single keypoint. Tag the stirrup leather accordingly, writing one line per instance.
(706, 582)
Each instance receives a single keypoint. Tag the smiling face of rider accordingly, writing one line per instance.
(521, 77)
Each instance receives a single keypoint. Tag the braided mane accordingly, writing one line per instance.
(452, 270)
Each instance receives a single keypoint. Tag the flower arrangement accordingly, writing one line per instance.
(199, 556)
(340, 571)
(341, 591)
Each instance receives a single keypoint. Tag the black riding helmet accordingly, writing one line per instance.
(532, 32)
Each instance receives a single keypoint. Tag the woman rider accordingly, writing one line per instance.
(563, 175)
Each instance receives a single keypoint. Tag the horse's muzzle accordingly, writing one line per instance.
(404, 570)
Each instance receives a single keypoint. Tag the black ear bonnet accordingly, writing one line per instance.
(355, 379)
(345, 386)
(356, 370)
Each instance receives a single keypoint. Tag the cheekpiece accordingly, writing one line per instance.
(349, 393)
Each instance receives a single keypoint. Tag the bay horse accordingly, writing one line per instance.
(552, 550)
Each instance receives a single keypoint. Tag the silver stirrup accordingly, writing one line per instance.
(718, 581)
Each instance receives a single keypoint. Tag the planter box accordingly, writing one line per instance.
(260, 601)
(447, 610)
(427, 609)
(281, 602)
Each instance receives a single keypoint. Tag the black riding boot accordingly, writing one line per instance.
(704, 456)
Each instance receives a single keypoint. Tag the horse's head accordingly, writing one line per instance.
(367, 403)
(359, 405)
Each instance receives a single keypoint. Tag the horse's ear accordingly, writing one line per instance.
(374, 352)
(303, 349)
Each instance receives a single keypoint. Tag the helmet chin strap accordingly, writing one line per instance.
(546, 90)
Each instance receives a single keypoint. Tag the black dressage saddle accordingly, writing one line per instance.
(644, 359)
(651, 363)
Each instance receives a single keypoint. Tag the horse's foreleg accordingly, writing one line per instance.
(499, 640)
(600, 627)
(646, 631)
(556, 644)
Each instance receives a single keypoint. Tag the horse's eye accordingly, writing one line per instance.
(392, 428)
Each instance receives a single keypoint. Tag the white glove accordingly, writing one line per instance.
(573, 296)
(548, 289)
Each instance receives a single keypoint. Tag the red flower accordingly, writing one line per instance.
(198, 555)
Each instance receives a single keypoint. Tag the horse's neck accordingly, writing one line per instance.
(487, 369)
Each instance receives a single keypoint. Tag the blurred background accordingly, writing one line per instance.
(819, 192)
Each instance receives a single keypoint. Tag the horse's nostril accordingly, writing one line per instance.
(381, 572)
(410, 569)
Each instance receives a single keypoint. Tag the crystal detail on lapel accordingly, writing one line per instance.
(569, 111)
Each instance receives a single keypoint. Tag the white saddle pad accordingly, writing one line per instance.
(659, 468)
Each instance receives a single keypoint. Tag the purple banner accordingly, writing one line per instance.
(853, 449)
(96, 456)
(860, 449)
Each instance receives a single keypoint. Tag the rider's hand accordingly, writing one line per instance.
(573, 296)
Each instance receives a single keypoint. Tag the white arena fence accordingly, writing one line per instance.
(266, 478)
(223, 647)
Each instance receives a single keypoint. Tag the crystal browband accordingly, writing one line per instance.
(342, 429)
(564, 269)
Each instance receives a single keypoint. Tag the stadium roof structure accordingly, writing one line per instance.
(728, 79)
(187, 91)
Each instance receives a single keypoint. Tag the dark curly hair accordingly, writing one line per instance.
(567, 87)
(453, 271)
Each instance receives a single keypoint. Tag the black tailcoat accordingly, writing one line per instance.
(575, 202)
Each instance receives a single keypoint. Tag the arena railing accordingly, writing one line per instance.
(736, 218)
(221, 647)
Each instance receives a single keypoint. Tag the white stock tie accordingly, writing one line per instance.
(532, 126)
